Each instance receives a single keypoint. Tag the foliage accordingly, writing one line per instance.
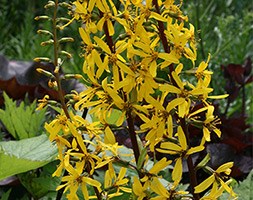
(22, 121)
(24, 155)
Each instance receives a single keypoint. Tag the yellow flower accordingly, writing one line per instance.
(107, 15)
(216, 178)
(138, 189)
(183, 102)
(84, 11)
(181, 149)
(150, 56)
(112, 182)
(210, 124)
(217, 191)
(75, 179)
(42, 102)
(180, 38)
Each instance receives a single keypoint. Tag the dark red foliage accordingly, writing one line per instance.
(237, 76)
(18, 78)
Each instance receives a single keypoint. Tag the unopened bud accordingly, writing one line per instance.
(50, 4)
(46, 73)
(67, 54)
(44, 32)
(42, 17)
(74, 76)
(48, 42)
(66, 39)
(203, 162)
(64, 4)
(41, 59)
(62, 19)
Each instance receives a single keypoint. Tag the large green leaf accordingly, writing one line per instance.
(24, 155)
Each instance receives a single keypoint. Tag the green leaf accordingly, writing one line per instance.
(6, 195)
(141, 158)
(22, 121)
(21, 156)
(203, 162)
(42, 184)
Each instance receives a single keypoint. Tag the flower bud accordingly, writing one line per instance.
(67, 54)
(48, 42)
(49, 4)
(66, 39)
(44, 32)
(42, 17)
(74, 76)
(41, 59)
(46, 73)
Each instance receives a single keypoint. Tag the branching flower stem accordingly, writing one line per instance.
(56, 64)
(163, 37)
(192, 171)
(161, 30)
(132, 133)
(130, 120)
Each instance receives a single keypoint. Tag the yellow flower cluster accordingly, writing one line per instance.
(127, 45)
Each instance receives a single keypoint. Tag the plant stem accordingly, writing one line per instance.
(192, 171)
(109, 40)
(132, 133)
(161, 29)
(56, 64)
(163, 38)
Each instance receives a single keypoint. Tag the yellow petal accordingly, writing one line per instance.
(170, 88)
(174, 103)
(84, 35)
(137, 187)
(110, 27)
(178, 170)
(182, 138)
(161, 164)
(178, 80)
(224, 167)
(109, 136)
(168, 57)
(124, 68)
(102, 45)
(157, 187)
(218, 96)
(158, 17)
(206, 133)
(205, 184)
(171, 146)
(122, 173)
(197, 112)
(195, 150)
(92, 182)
